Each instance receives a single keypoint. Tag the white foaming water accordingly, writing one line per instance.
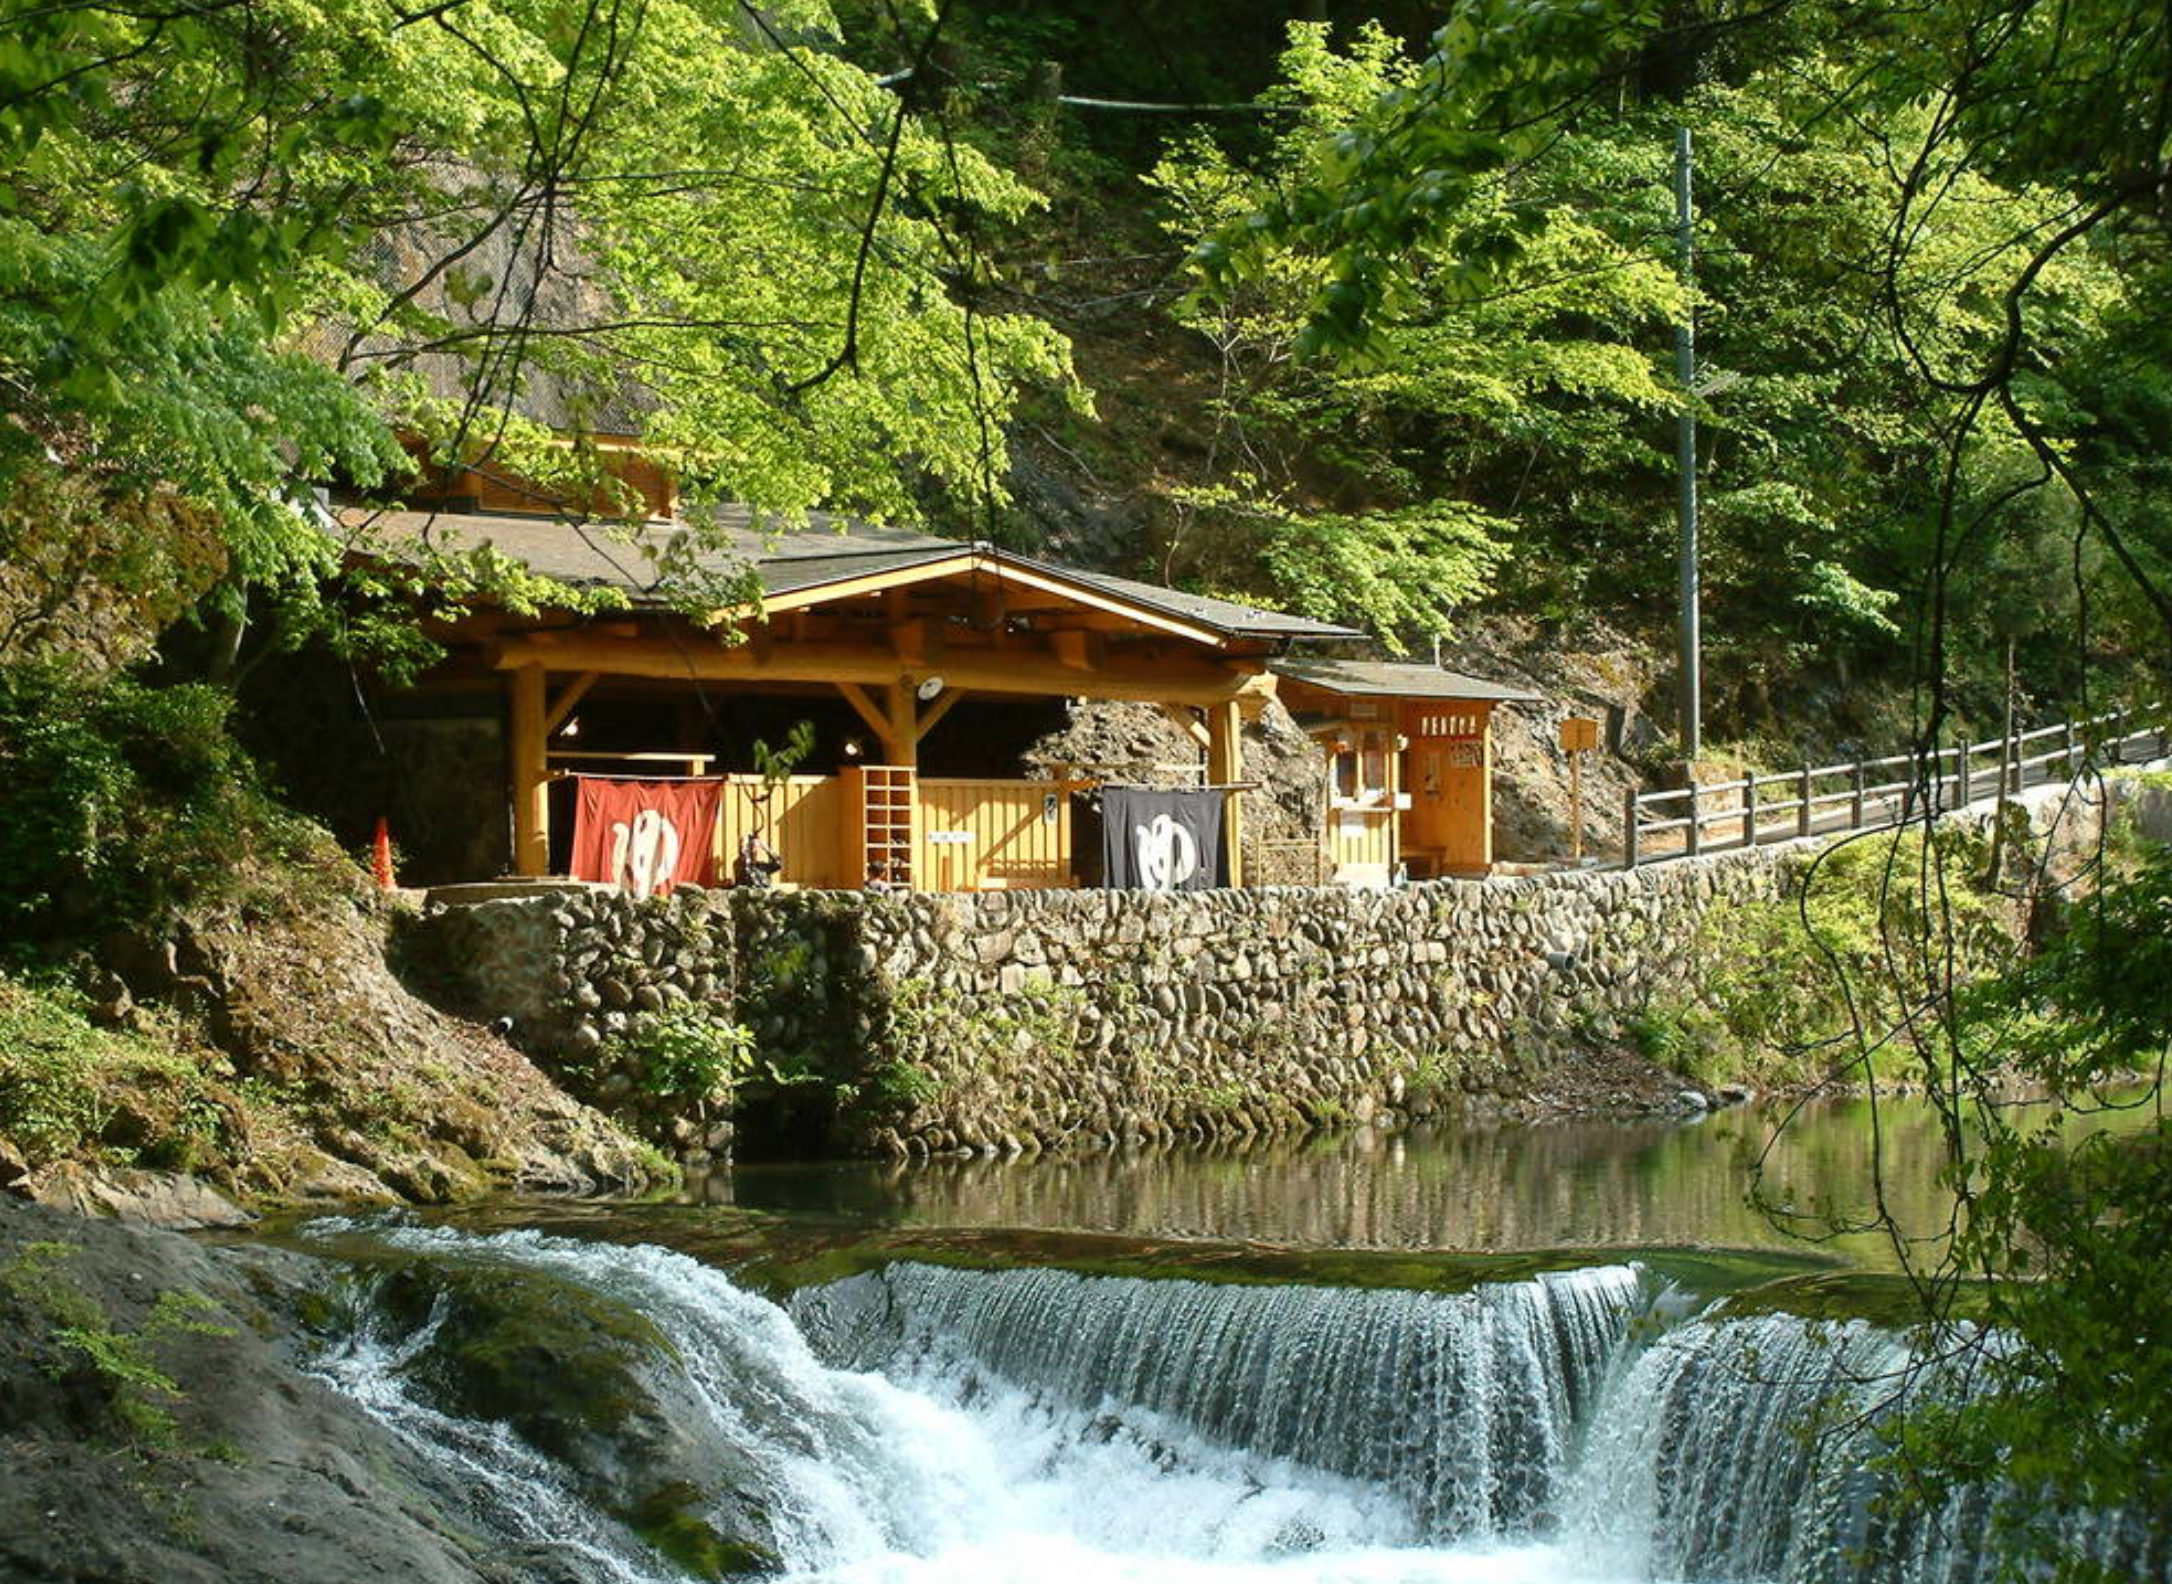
(1463, 1406)
(960, 1476)
(926, 1426)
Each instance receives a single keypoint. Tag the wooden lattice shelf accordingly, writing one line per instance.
(880, 807)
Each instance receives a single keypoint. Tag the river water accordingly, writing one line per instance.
(1775, 1175)
(1040, 1416)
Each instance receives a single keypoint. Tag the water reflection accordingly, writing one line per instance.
(1573, 1184)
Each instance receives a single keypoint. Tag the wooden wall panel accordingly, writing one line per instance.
(1016, 835)
(802, 820)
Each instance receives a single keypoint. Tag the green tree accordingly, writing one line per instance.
(242, 241)
(2011, 271)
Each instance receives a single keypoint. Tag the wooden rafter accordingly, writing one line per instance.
(562, 709)
(892, 583)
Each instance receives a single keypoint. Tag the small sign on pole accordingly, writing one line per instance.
(1579, 735)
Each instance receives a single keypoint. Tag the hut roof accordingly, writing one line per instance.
(1395, 679)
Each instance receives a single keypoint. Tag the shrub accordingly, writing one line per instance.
(1879, 930)
(123, 803)
(685, 1054)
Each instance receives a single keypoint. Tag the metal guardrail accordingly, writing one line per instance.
(1872, 794)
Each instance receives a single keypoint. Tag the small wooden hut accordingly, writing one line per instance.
(1409, 764)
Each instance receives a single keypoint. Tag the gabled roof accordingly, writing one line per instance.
(1392, 679)
(796, 566)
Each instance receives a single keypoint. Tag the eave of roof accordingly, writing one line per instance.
(1392, 679)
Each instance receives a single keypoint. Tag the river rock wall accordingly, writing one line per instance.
(1040, 1020)
(915, 1024)
(1043, 1019)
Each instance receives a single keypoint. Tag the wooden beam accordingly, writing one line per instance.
(1001, 569)
(1095, 599)
(562, 708)
(1071, 648)
(855, 587)
(1225, 766)
(1012, 672)
(877, 722)
(943, 706)
(909, 639)
(531, 775)
(1194, 727)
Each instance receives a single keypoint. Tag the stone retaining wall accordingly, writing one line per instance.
(1036, 1020)
(1015, 1021)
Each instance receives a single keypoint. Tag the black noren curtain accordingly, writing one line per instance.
(1162, 840)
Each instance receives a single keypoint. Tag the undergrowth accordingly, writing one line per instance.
(1780, 989)
(69, 1087)
(124, 804)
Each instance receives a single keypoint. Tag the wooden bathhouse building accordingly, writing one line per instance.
(1409, 764)
(906, 664)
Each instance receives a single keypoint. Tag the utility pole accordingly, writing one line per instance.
(1685, 368)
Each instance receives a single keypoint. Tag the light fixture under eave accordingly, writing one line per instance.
(572, 727)
(852, 748)
(929, 688)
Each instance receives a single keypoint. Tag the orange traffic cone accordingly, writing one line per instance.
(381, 855)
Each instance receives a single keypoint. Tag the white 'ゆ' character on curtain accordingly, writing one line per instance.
(645, 854)
(1167, 854)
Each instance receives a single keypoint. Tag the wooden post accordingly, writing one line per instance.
(1962, 790)
(1576, 806)
(1749, 807)
(1225, 767)
(1695, 829)
(531, 775)
(903, 747)
(1579, 735)
(1855, 796)
(2070, 747)
(1802, 806)
(1629, 827)
(901, 740)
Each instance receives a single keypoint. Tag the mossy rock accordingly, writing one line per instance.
(591, 1383)
(1881, 1298)
(667, 1520)
(547, 1357)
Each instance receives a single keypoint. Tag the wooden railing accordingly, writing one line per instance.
(1871, 794)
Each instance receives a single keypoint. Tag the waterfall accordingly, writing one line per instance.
(1465, 1406)
(921, 1424)
(1740, 1449)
